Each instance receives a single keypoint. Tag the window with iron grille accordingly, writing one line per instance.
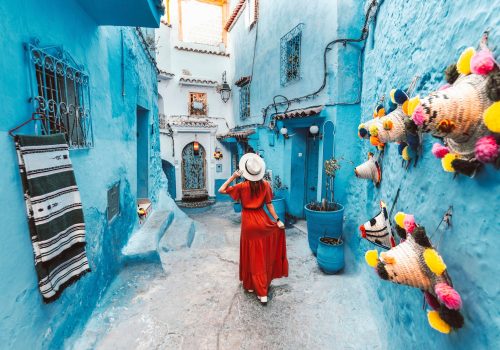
(290, 55)
(198, 105)
(113, 201)
(245, 101)
(61, 94)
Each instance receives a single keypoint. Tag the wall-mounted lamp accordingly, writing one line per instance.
(314, 131)
(284, 132)
(224, 89)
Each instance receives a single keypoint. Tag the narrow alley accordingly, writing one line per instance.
(198, 303)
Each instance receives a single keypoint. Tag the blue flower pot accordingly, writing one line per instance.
(330, 256)
(237, 207)
(323, 224)
(279, 206)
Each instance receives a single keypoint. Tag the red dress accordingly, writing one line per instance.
(262, 242)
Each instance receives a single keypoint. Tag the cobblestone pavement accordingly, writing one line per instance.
(196, 302)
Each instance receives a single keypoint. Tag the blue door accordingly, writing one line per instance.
(193, 167)
(311, 180)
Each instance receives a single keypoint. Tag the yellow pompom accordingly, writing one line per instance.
(400, 218)
(405, 154)
(412, 104)
(387, 123)
(436, 322)
(391, 93)
(371, 257)
(491, 117)
(381, 112)
(405, 107)
(463, 63)
(373, 130)
(447, 160)
(434, 261)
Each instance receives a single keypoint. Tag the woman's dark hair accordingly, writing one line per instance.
(256, 187)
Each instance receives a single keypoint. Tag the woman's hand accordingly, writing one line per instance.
(237, 174)
(280, 224)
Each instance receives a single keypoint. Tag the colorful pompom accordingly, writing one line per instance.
(392, 106)
(373, 130)
(399, 218)
(399, 96)
(436, 322)
(482, 62)
(448, 296)
(447, 160)
(362, 132)
(409, 223)
(486, 149)
(412, 104)
(371, 257)
(434, 261)
(391, 95)
(406, 153)
(401, 147)
(451, 74)
(405, 107)
(418, 115)
(375, 141)
(446, 126)
(463, 63)
(439, 150)
(431, 300)
(491, 117)
(466, 167)
(388, 124)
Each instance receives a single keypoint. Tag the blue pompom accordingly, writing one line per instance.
(392, 107)
(379, 107)
(401, 147)
(362, 132)
(413, 140)
(400, 96)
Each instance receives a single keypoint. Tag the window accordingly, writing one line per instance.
(198, 104)
(290, 55)
(113, 201)
(60, 91)
(201, 22)
(245, 101)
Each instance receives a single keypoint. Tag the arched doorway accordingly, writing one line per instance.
(194, 173)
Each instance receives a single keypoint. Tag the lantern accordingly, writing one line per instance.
(196, 148)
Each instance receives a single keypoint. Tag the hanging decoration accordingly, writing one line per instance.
(218, 154)
(464, 113)
(416, 263)
(196, 148)
(369, 170)
(377, 230)
(395, 126)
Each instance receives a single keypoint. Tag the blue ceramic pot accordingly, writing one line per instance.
(237, 207)
(330, 256)
(323, 224)
(279, 206)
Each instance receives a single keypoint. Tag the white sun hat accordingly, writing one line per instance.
(252, 167)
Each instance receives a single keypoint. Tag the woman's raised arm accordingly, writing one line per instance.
(233, 177)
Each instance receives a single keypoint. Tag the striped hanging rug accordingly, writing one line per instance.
(54, 210)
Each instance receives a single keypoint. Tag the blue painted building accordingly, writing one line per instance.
(115, 157)
(405, 39)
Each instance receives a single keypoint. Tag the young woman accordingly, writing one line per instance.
(262, 242)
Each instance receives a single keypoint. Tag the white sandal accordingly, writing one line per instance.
(263, 300)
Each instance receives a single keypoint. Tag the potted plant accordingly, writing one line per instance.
(330, 254)
(325, 219)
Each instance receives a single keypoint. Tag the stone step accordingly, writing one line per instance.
(142, 245)
(180, 234)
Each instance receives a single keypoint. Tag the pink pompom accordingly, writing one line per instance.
(409, 223)
(431, 300)
(448, 296)
(418, 115)
(486, 149)
(444, 87)
(439, 150)
(482, 62)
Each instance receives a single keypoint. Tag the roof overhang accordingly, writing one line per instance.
(130, 13)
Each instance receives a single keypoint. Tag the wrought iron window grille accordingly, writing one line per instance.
(60, 91)
(198, 104)
(290, 52)
(245, 102)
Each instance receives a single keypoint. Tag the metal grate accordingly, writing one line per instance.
(245, 101)
(113, 201)
(290, 55)
(60, 90)
(198, 105)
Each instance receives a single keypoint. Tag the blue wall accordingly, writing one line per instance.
(25, 322)
(407, 38)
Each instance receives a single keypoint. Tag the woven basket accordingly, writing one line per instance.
(377, 230)
(397, 133)
(369, 170)
(463, 105)
(367, 125)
